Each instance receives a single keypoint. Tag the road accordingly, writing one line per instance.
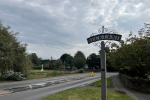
(57, 84)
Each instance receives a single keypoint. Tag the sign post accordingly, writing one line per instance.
(95, 38)
(103, 73)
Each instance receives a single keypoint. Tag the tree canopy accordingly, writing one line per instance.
(79, 60)
(58, 63)
(69, 61)
(93, 61)
(35, 60)
(133, 57)
(13, 54)
(63, 57)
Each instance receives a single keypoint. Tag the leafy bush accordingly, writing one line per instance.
(55, 73)
(53, 67)
(80, 71)
(11, 75)
(34, 75)
(38, 67)
(69, 72)
(132, 56)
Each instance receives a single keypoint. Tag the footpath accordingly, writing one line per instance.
(119, 86)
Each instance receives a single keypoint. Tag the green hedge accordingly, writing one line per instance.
(44, 68)
(55, 73)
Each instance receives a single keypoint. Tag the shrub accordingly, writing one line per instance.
(55, 73)
(53, 67)
(11, 75)
(80, 71)
(38, 67)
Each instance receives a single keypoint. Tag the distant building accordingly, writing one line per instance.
(50, 62)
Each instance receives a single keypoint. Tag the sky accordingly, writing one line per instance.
(54, 27)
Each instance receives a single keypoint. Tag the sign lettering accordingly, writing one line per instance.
(115, 37)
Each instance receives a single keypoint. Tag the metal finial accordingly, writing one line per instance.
(102, 29)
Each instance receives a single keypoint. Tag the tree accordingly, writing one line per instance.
(107, 50)
(35, 59)
(43, 61)
(6, 48)
(79, 60)
(51, 58)
(133, 57)
(58, 63)
(40, 58)
(108, 65)
(52, 61)
(69, 61)
(63, 57)
(93, 61)
(13, 54)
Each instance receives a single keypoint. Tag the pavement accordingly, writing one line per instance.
(119, 86)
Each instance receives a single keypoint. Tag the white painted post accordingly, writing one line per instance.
(103, 73)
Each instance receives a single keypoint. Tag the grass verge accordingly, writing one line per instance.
(38, 70)
(37, 74)
(85, 93)
(98, 83)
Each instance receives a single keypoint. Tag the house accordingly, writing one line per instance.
(47, 63)
(50, 62)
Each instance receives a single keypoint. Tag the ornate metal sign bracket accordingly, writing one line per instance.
(110, 37)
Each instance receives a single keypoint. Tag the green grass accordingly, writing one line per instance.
(5, 81)
(36, 74)
(38, 70)
(85, 93)
(98, 83)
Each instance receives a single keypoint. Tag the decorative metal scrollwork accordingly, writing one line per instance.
(96, 43)
(101, 30)
(113, 32)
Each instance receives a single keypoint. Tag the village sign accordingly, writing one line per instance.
(112, 35)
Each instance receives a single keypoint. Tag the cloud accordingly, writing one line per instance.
(54, 27)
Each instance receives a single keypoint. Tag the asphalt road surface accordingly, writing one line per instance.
(61, 83)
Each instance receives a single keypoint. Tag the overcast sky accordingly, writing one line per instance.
(54, 27)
